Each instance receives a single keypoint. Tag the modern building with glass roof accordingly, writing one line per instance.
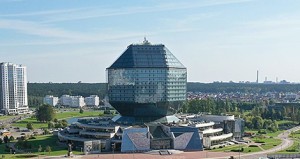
(147, 82)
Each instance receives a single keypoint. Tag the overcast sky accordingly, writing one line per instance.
(217, 40)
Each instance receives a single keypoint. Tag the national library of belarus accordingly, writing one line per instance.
(147, 85)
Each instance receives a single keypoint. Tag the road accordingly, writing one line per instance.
(286, 142)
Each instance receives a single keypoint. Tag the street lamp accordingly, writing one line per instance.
(240, 151)
(113, 149)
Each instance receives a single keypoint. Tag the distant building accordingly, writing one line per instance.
(223, 127)
(51, 100)
(13, 89)
(72, 101)
(284, 82)
(92, 100)
(65, 100)
(77, 101)
(291, 96)
(126, 138)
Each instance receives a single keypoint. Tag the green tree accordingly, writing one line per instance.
(45, 113)
(50, 125)
(46, 131)
(48, 149)
(58, 125)
(11, 138)
(1, 140)
(257, 122)
(64, 123)
(29, 126)
(273, 126)
(6, 139)
(40, 149)
(267, 123)
(81, 111)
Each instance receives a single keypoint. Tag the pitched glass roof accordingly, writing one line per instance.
(146, 55)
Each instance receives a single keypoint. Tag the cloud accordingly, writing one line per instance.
(271, 28)
(33, 28)
(41, 13)
(51, 16)
(57, 36)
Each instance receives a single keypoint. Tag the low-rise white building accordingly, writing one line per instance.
(51, 100)
(72, 101)
(77, 101)
(92, 100)
(65, 100)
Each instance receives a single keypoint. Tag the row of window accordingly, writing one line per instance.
(147, 99)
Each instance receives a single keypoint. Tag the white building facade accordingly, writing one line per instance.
(92, 100)
(13, 88)
(65, 100)
(77, 101)
(72, 101)
(51, 100)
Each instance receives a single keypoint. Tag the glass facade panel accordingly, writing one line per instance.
(146, 80)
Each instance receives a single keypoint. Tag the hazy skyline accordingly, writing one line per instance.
(217, 40)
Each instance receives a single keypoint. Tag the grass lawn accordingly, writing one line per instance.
(246, 148)
(227, 148)
(270, 134)
(60, 115)
(270, 143)
(5, 117)
(274, 134)
(269, 140)
(295, 134)
(251, 149)
(70, 114)
(36, 124)
(295, 148)
(45, 140)
(48, 140)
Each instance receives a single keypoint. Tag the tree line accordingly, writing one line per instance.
(36, 91)
(241, 87)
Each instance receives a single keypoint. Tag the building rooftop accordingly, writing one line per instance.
(147, 55)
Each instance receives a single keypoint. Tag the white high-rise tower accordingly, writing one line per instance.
(13, 89)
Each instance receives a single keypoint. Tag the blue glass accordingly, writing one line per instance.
(147, 81)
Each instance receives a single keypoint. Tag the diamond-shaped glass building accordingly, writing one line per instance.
(147, 82)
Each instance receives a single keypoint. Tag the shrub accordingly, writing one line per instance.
(253, 145)
(26, 156)
(11, 138)
(32, 137)
(262, 132)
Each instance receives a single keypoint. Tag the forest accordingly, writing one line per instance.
(241, 87)
(36, 91)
